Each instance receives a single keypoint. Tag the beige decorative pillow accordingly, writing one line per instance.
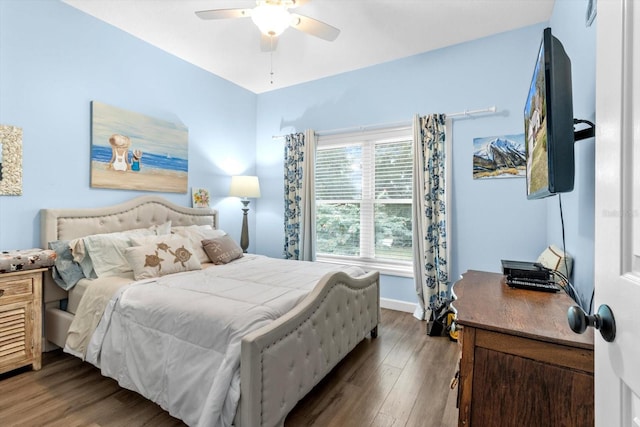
(172, 255)
(196, 234)
(222, 250)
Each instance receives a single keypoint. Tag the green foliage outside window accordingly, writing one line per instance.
(345, 185)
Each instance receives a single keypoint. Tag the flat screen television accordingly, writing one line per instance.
(548, 122)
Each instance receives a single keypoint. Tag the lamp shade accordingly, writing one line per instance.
(244, 186)
(271, 19)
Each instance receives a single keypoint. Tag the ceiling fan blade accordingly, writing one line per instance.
(224, 13)
(268, 43)
(314, 27)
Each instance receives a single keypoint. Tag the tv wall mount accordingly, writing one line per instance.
(581, 134)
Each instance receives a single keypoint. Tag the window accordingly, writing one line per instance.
(363, 199)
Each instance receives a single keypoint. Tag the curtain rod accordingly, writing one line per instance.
(398, 125)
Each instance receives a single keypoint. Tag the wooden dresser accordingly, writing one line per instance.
(521, 364)
(21, 319)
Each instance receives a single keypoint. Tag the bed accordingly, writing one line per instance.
(280, 359)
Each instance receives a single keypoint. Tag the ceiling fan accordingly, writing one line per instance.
(273, 17)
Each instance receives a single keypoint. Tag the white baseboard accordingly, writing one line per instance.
(397, 305)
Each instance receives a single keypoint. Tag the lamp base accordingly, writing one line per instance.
(244, 235)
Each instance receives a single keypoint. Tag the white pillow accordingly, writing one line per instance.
(195, 234)
(165, 256)
(162, 229)
(148, 240)
(82, 257)
(107, 251)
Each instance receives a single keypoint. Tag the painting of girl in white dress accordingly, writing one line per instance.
(119, 153)
(131, 151)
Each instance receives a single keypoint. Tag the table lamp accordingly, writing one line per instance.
(244, 186)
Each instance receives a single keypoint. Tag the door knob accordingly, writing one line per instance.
(603, 321)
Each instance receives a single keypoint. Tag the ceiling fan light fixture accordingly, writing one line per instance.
(271, 19)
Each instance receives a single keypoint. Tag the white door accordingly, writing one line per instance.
(617, 236)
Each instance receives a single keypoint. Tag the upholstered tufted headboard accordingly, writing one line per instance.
(141, 212)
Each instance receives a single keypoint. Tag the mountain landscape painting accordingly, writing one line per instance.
(499, 157)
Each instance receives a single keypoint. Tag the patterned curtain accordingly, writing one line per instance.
(299, 196)
(431, 269)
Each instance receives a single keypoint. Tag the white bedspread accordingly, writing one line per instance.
(176, 339)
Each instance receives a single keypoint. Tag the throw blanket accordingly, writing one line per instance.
(176, 339)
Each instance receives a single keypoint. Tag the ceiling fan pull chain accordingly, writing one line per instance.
(271, 59)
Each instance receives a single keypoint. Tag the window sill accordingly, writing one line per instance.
(391, 269)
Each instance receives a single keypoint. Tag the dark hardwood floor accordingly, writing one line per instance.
(399, 379)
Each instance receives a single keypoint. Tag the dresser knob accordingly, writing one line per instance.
(1, 292)
(603, 321)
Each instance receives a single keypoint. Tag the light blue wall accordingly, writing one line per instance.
(54, 60)
(568, 25)
(492, 219)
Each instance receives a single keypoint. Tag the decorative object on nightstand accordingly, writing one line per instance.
(26, 259)
(245, 187)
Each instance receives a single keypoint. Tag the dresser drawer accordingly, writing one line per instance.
(15, 287)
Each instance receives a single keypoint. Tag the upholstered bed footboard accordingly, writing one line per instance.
(283, 361)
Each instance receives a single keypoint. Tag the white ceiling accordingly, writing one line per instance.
(372, 32)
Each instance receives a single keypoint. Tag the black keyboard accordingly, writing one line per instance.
(533, 284)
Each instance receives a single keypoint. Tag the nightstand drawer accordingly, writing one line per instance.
(15, 287)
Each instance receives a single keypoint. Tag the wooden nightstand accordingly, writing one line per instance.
(21, 319)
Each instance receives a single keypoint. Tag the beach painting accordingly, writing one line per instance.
(131, 151)
(499, 157)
